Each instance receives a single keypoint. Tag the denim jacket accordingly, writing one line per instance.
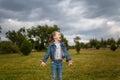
(51, 50)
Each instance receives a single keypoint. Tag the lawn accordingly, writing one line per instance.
(90, 64)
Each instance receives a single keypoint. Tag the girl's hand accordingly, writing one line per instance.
(70, 63)
(43, 64)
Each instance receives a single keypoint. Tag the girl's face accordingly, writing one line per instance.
(57, 36)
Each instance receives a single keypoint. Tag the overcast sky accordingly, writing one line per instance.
(85, 18)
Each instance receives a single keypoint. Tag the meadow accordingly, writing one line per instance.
(90, 64)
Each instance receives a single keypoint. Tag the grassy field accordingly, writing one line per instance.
(90, 64)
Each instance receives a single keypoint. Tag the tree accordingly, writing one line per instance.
(110, 41)
(113, 47)
(65, 41)
(103, 43)
(87, 45)
(77, 44)
(0, 31)
(98, 45)
(93, 43)
(26, 47)
(12, 36)
(77, 47)
(17, 37)
(118, 42)
(32, 36)
(112, 44)
(8, 47)
(39, 35)
(76, 39)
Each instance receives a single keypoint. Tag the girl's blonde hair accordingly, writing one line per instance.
(51, 39)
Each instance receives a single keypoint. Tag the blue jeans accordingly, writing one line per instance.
(56, 68)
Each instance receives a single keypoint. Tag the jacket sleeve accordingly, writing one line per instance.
(67, 56)
(46, 55)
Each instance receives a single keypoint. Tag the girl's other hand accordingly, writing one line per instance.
(70, 63)
(43, 64)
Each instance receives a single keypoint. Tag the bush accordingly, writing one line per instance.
(26, 47)
(113, 47)
(77, 47)
(97, 46)
(8, 47)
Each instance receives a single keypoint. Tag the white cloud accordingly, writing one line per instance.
(111, 23)
(85, 24)
(35, 13)
(114, 28)
(15, 24)
(70, 8)
(86, 18)
(71, 37)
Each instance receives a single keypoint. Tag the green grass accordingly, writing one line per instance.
(90, 64)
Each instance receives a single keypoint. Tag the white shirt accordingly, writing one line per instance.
(58, 51)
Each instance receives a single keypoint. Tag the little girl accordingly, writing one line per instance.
(57, 51)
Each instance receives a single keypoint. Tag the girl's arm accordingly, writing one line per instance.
(46, 55)
(67, 56)
(68, 59)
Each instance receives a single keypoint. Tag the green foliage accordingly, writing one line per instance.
(111, 41)
(87, 45)
(94, 43)
(17, 37)
(41, 35)
(113, 47)
(77, 47)
(38, 36)
(97, 46)
(26, 47)
(76, 39)
(103, 43)
(71, 47)
(118, 42)
(77, 44)
(0, 31)
(65, 41)
(8, 47)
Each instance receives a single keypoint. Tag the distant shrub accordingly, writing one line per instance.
(113, 47)
(8, 47)
(97, 46)
(77, 47)
(26, 47)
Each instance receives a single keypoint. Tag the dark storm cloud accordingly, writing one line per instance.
(23, 5)
(21, 9)
(86, 18)
(102, 8)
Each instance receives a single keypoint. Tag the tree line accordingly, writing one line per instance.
(0, 31)
(95, 43)
(38, 37)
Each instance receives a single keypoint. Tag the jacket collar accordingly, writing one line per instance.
(53, 44)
